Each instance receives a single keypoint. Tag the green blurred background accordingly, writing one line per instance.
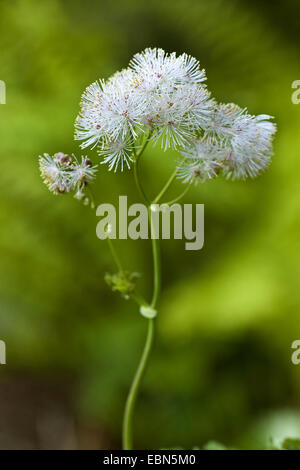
(221, 367)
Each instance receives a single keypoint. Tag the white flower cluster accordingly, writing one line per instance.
(63, 174)
(159, 94)
(162, 97)
(234, 143)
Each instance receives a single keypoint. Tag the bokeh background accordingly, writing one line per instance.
(221, 368)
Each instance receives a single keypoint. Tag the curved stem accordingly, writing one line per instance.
(156, 265)
(138, 183)
(115, 255)
(166, 187)
(144, 146)
(131, 399)
(136, 172)
(180, 196)
(93, 202)
(127, 422)
(138, 298)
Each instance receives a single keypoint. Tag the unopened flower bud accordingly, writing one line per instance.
(87, 162)
(62, 159)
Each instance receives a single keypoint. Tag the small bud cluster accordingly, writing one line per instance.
(122, 282)
(63, 173)
(163, 97)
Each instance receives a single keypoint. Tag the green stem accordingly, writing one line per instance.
(131, 399)
(133, 392)
(115, 255)
(138, 298)
(156, 265)
(93, 202)
(136, 172)
(166, 187)
(128, 415)
(138, 183)
(144, 146)
(180, 196)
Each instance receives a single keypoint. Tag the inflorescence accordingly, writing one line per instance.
(63, 173)
(162, 97)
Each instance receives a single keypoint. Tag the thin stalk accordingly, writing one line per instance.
(166, 187)
(93, 202)
(156, 264)
(128, 415)
(133, 392)
(115, 255)
(138, 298)
(138, 182)
(144, 146)
(180, 196)
(131, 399)
(136, 172)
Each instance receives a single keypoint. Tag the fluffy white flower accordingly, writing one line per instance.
(117, 152)
(170, 121)
(122, 109)
(163, 95)
(54, 174)
(197, 104)
(82, 173)
(88, 125)
(160, 92)
(201, 161)
(250, 149)
(110, 110)
(63, 174)
(176, 103)
(159, 70)
(221, 125)
(192, 71)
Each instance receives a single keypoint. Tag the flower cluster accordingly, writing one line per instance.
(234, 143)
(63, 173)
(159, 95)
(162, 97)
